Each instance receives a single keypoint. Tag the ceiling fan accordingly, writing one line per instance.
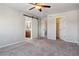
(39, 6)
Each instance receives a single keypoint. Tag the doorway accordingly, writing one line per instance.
(58, 28)
(28, 29)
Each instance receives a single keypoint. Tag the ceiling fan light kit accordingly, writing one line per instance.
(39, 6)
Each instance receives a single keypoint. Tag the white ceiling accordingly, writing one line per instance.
(55, 8)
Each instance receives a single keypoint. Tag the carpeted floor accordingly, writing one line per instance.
(41, 48)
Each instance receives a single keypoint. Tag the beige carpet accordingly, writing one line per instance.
(41, 47)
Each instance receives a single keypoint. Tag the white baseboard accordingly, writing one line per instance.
(11, 44)
(78, 44)
(70, 41)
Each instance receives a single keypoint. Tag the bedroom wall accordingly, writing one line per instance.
(68, 26)
(11, 26)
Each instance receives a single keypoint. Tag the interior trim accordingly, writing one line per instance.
(30, 16)
(11, 44)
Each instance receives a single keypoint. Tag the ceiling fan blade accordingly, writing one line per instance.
(45, 6)
(37, 4)
(33, 3)
(31, 8)
(40, 10)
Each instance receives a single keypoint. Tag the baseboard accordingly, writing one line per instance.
(11, 44)
(78, 44)
(70, 41)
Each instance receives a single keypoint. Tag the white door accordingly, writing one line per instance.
(51, 27)
(34, 28)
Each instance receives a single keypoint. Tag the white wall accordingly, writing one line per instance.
(69, 25)
(11, 26)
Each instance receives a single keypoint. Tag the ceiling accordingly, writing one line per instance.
(55, 8)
